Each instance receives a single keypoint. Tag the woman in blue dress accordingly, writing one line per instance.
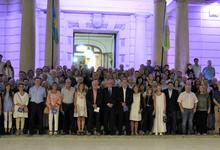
(7, 108)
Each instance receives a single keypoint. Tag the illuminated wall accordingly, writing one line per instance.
(10, 31)
(204, 36)
(129, 20)
(122, 16)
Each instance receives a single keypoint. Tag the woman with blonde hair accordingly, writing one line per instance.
(21, 100)
(80, 109)
(159, 112)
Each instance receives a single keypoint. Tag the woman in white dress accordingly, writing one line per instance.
(159, 112)
(80, 109)
(135, 114)
(20, 108)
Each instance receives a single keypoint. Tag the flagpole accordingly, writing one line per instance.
(162, 59)
(52, 35)
(162, 38)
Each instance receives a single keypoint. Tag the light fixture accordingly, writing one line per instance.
(75, 59)
(214, 10)
(81, 48)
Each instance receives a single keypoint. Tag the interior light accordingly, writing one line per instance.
(81, 48)
(214, 10)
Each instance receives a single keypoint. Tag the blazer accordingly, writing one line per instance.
(171, 102)
(128, 98)
(90, 99)
(107, 98)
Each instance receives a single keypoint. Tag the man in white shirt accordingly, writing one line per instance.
(67, 93)
(196, 68)
(187, 103)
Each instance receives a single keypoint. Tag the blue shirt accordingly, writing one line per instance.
(209, 73)
(37, 95)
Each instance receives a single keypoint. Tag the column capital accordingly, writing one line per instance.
(159, 1)
(141, 14)
(182, 1)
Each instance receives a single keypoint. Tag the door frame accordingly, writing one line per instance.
(114, 33)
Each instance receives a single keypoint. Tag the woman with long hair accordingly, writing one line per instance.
(7, 107)
(148, 107)
(8, 70)
(135, 114)
(203, 109)
(159, 112)
(80, 107)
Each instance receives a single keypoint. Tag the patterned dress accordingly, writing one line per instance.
(81, 109)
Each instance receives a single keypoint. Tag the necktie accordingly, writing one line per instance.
(110, 91)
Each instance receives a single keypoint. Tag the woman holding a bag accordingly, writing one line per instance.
(53, 103)
(20, 108)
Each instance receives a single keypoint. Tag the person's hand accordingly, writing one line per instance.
(182, 110)
(109, 105)
(140, 111)
(153, 113)
(94, 106)
(194, 110)
(123, 104)
(209, 111)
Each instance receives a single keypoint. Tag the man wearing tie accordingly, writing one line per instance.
(109, 97)
(94, 102)
(171, 107)
(125, 99)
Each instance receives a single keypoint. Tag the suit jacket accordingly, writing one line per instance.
(90, 99)
(171, 102)
(128, 98)
(110, 98)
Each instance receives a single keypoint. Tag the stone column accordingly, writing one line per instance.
(27, 52)
(141, 42)
(49, 61)
(182, 35)
(159, 6)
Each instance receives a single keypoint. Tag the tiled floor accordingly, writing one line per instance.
(110, 143)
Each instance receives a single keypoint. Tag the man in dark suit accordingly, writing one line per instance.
(171, 107)
(109, 97)
(125, 99)
(94, 103)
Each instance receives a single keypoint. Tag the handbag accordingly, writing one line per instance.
(20, 110)
(125, 108)
(54, 110)
(24, 109)
(46, 110)
(164, 118)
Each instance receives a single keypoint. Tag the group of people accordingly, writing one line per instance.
(151, 100)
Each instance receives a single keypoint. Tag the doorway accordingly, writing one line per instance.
(94, 49)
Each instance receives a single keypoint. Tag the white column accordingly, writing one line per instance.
(27, 52)
(141, 42)
(159, 6)
(56, 47)
(182, 35)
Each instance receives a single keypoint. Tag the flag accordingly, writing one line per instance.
(166, 33)
(55, 33)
